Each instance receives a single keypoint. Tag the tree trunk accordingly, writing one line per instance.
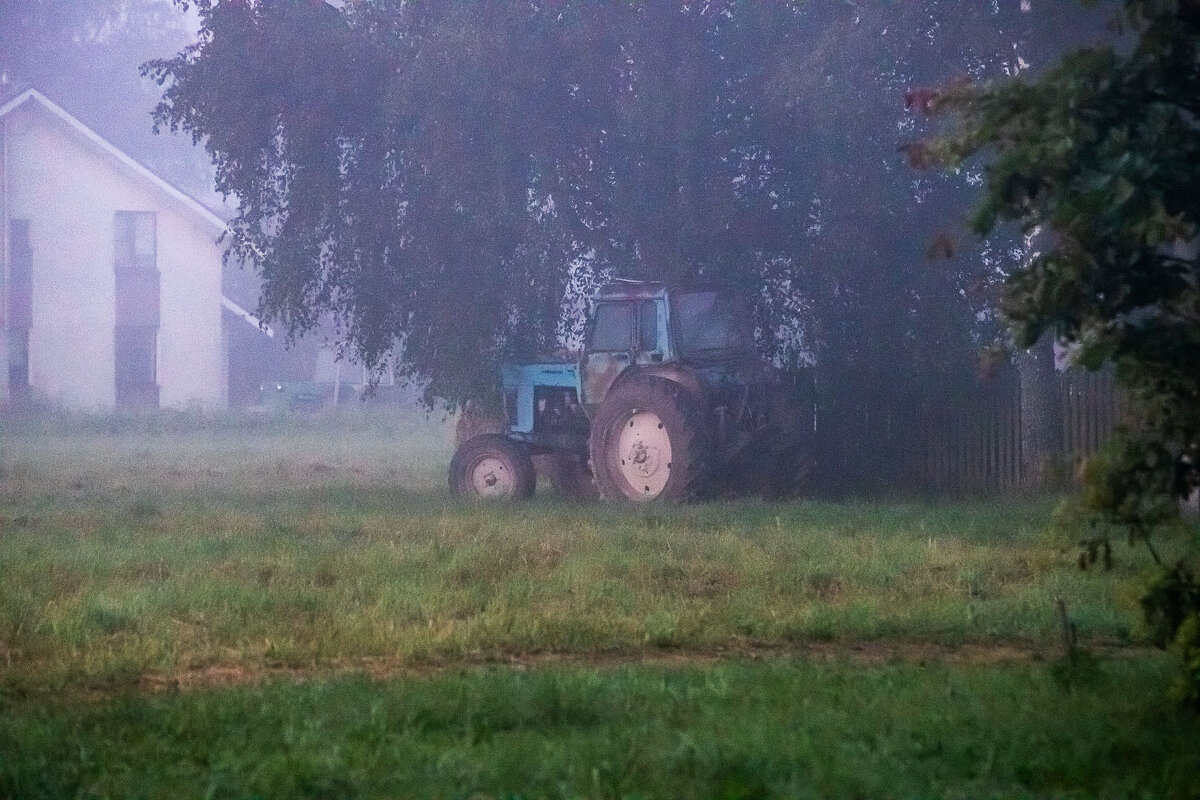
(1041, 417)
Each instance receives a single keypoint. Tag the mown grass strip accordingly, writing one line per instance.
(778, 729)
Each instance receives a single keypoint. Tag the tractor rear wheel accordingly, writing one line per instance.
(491, 467)
(649, 441)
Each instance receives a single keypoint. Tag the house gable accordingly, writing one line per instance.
(94, 139)
(70, 188)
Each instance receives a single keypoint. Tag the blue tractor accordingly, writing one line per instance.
(669, 401)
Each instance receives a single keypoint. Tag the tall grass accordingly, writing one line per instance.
(138, 553)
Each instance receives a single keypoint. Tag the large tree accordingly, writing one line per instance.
(436, 175)
(1102, 152)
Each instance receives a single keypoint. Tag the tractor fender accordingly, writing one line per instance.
(674, 373)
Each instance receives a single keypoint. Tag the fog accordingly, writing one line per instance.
(599, 398)
(765, 157)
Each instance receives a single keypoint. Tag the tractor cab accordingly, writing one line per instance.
(637, 324)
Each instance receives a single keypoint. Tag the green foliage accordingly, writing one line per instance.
(1102, 155)
(1187, 644)
(1130, 482)
(1172, 609)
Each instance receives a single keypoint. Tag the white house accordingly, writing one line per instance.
(111, 276)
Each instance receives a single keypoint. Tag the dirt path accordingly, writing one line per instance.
(865, 654)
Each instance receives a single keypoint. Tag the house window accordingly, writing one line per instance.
(18, 315)
(137, 240)
(137, 310)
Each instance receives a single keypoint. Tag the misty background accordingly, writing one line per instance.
(789, 122)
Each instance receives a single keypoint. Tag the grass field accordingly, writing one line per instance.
(294, 607)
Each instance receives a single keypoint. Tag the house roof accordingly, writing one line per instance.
(198, 209)
(238, 311)
(191, 203)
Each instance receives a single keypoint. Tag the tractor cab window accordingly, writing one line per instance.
(612, 328)
(647, 326)
(713, 323)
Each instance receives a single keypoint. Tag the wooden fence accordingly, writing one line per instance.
(1091, 408)
(970, 443)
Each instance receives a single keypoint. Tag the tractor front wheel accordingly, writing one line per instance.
(492, 467)
(649, 441)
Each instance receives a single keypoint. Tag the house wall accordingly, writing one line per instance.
(70, 190)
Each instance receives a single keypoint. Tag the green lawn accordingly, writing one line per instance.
(801, 649)
(779, 729)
